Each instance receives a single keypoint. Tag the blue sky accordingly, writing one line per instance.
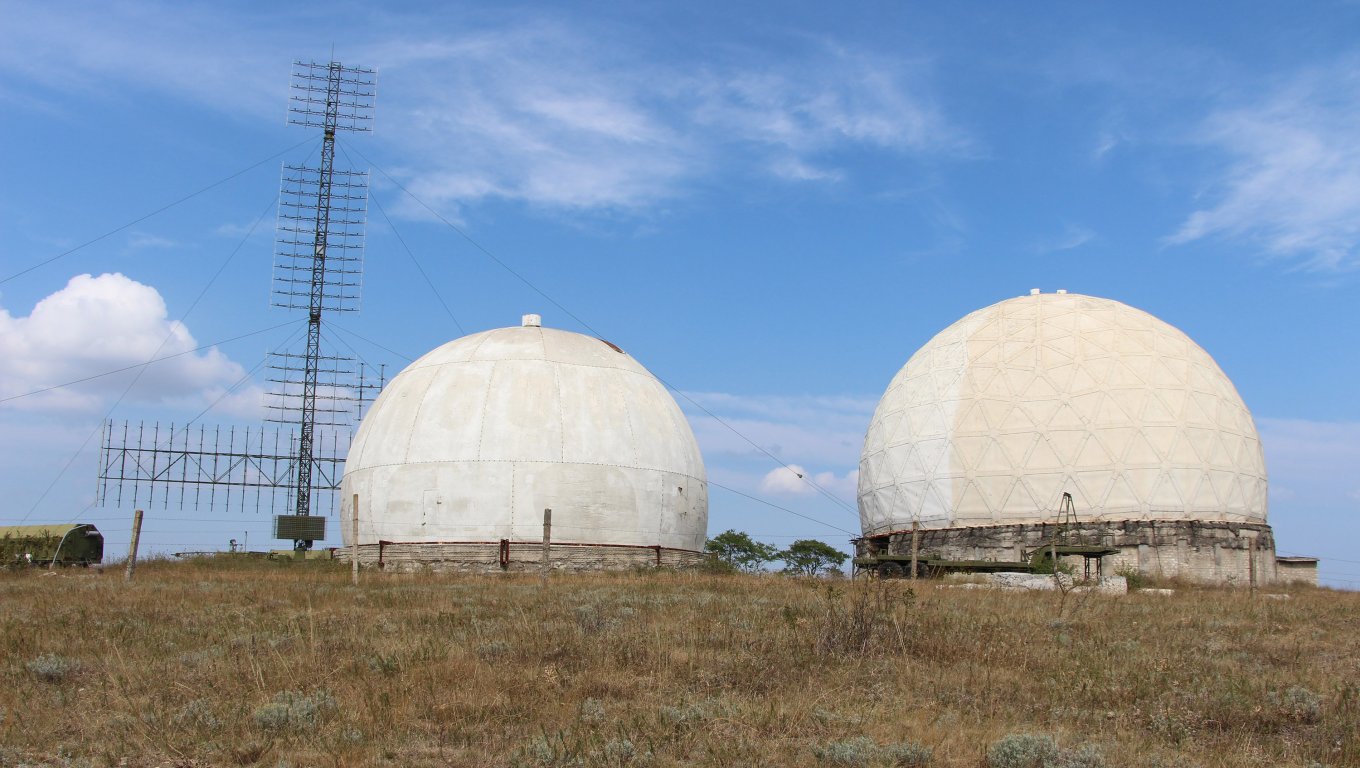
(769, 205)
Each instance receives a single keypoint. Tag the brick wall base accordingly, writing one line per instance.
(518, 556)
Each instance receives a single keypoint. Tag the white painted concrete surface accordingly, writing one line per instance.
(474, 440)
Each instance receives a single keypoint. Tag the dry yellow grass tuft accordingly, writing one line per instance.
(221, 662)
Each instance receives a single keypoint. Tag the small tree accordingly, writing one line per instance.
(740, 551)
(808, 557)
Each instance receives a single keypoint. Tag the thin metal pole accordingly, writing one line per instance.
(132, 548)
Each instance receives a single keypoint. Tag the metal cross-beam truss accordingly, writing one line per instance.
(146, 465)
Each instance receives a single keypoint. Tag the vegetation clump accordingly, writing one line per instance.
(1037, 750)
(864, 752)
(294, 711)
(51, 668)
(1299, 704)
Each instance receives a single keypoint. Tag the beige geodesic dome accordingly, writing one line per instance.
(999, 414)
(472, 442)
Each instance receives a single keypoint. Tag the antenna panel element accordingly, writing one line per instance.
(332, 96)
(300, 527)
(326, 226)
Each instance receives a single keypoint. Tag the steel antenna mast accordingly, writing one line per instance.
(334, 98)
(318, 264)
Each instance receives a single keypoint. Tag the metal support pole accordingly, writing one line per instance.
(132, 548)
(354, 541)
(547, 542)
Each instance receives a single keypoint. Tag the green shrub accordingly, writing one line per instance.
(1135, 578)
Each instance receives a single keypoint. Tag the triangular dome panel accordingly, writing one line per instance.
(1016, 402)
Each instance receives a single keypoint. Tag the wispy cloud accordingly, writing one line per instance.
(139, 241)
(538, 114)
(1072, 236)
(199, 54)
(1291, 183)
(537, 111)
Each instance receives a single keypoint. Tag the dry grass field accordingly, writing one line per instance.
(258, 663)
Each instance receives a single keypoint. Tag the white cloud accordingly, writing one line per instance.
(794, 481)
(100, 324)
(1292, 183)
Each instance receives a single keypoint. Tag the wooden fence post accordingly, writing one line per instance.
(547, 543)
(915, 546)
(1251, 565)
(132, 548)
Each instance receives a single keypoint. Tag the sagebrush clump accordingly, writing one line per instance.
(294, 711)
(51, 668)
(1038, 750)
(864, 752)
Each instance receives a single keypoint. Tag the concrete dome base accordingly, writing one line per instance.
(517, 556)
(1199, 551)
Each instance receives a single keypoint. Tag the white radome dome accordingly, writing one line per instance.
(1003, 411)
(472, 442)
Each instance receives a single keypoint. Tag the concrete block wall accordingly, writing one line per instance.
(1207, 552)
(1297, 571)
(523, 556)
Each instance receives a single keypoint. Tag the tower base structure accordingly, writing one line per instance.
(1221, 553)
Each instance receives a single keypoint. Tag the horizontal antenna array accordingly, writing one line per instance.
(245, 468)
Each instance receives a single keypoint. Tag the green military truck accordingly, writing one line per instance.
(53, 544)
